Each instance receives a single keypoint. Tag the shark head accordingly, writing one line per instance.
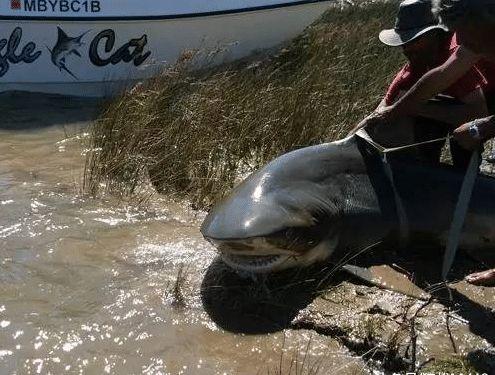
(285, 215)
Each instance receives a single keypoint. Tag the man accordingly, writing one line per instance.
(427, 44)
(474, 24)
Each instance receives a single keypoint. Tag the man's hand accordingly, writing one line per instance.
(466, 138)
(381, 115)
(385, 114)
(473, 133)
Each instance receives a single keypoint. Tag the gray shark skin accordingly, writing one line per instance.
(335, 198)
(65, 47)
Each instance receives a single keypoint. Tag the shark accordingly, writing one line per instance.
(65, 47)
(326, 202)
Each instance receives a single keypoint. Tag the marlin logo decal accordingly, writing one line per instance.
(65, 47)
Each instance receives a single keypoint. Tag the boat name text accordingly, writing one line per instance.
(27, 55)
(62, 6)
(130, 51)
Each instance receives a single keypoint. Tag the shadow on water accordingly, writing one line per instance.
(270, 303)
(264, 304)
(29, 111)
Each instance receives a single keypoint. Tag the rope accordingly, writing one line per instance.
(460, 209)
(384, 150)
(400, 210)
(399, 205)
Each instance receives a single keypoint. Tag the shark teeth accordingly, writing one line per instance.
(256, 263)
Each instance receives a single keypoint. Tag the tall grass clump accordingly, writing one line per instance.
(193, 133)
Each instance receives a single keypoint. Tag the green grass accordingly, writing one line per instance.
(194, 134)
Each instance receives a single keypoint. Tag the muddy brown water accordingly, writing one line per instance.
(87, 285)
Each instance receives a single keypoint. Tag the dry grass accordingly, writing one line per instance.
(194, 134)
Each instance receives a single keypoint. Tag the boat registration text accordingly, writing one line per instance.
(57, 6)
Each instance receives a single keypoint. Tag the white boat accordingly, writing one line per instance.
(93, 47)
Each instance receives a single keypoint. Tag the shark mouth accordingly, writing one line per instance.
(255, 263)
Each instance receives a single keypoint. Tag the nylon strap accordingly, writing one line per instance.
(460, 214)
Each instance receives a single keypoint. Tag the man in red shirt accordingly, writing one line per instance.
(427, 44)
(474, 24)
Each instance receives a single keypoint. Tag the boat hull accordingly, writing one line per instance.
(97, 57)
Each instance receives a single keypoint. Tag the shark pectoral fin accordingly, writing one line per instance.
(385, 277)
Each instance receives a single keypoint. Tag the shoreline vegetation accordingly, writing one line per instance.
(194, 134)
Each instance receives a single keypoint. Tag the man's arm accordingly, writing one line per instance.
(433, 82)
(473, 106)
